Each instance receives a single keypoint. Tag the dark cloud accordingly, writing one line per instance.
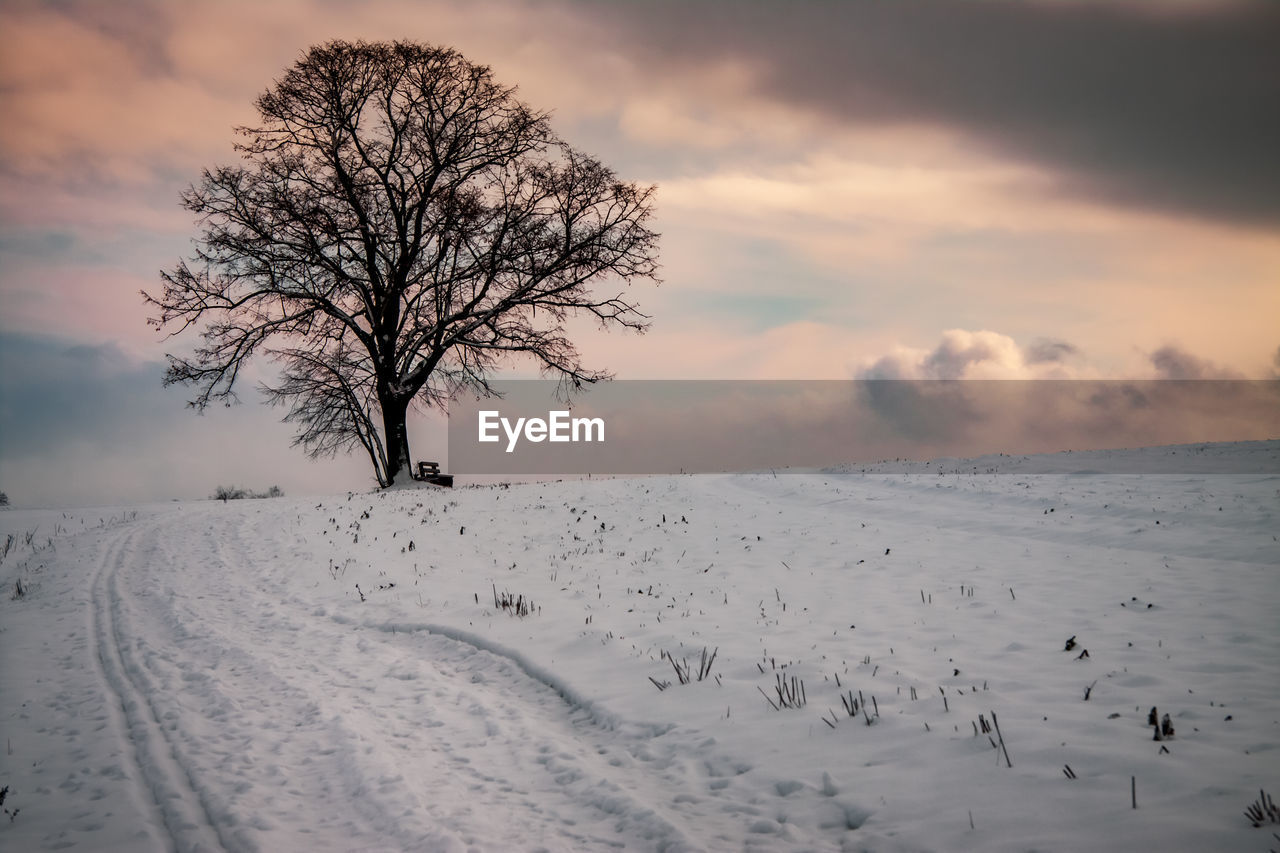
(83, 423)
(1049, 351)
(1150, 104)
(953, 356)
(887, 367)
(97, 358)
(1171, 362)
(51, 390)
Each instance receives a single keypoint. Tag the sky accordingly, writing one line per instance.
(924, 189)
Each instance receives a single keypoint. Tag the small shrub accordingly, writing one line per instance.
(233, 493)
(228, 493)
(12, 813)
(682, 667)
(514, 604)
(790, 693)
(1262, 811)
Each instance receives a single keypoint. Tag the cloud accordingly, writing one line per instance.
(65, 385)
(984, 354)
(961, 350)
(1170, 362)
(963, 354)
(127, 93)
(1049, 351)
(88, 102)
(1147, 104)
(1110, 101)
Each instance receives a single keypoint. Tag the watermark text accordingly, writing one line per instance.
(558, 427)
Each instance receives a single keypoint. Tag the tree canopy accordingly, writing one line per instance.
(399, 225)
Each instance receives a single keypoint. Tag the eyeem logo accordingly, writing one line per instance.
(557, 427)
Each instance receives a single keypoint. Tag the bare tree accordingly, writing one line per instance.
(400, 223)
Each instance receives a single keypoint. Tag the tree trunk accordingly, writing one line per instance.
(394, 415)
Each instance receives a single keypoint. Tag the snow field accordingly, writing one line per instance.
(207, 675)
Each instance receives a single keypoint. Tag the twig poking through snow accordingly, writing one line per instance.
(1003, 748)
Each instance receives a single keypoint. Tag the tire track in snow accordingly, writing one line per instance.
(177, 805)
(572, 774)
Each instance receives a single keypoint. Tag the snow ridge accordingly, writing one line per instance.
(572, 697)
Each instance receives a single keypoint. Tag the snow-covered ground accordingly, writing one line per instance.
(333, 673)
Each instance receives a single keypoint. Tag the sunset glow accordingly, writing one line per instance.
(840, 187)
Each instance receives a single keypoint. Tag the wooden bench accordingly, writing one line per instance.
(430, 472)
